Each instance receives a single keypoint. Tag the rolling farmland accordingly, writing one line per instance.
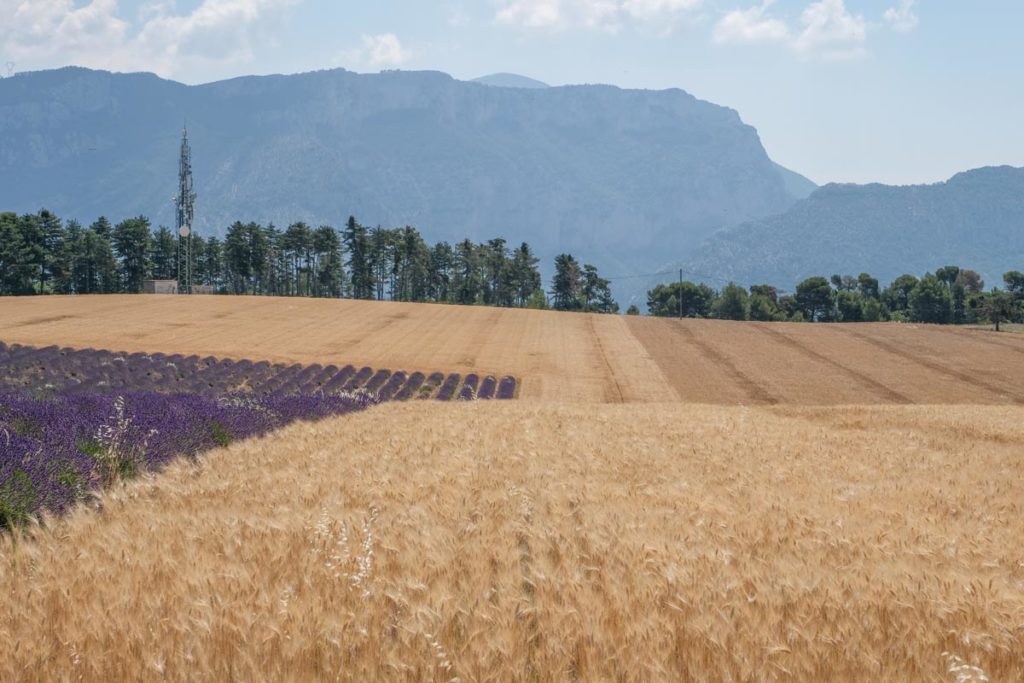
(752, 502)
(558, 358)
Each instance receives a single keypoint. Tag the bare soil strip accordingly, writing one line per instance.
(685, 365)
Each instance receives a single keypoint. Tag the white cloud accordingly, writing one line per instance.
(751, 26)
(375, 52)
(384, 50)
(650, 10)
(602, 14)
(830, 30)
(42, 33)
(34, 29)
(902, 17)
(531, 13)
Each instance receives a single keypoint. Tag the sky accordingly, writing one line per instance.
(893, 91)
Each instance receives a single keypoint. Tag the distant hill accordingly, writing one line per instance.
(621, 178)
(975, 220)
(510, 81)
(796, 185)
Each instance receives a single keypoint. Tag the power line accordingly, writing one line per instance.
(701, 277)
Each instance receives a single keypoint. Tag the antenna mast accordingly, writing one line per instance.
(185, 204)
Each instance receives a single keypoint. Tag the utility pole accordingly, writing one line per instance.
(185, 203)
(679, 294)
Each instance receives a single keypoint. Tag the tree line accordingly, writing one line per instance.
(42, 254)
(950, 295)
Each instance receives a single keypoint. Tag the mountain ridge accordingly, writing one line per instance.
(975, 219)
(616, 176)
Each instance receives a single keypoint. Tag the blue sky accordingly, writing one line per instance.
(896, 91)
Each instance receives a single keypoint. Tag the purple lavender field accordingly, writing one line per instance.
(72, 421)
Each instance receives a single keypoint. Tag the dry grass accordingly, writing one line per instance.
(559, 358)
(524, 542)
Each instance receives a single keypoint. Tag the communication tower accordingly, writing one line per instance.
(185, 203)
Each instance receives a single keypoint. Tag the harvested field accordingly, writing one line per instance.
(512, 541)
(560, 358)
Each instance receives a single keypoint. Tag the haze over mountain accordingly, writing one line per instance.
(620, 178)
(974, 220)
(510, 81)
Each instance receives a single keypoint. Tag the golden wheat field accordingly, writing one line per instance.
(666, 501)
(558, 357)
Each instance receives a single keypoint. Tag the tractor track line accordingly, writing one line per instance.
(618, 398)
(755, 391)
(873, 384)
(977, 336)
(959, 375)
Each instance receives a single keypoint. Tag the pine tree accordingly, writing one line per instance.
(131, 241)
(565, 286)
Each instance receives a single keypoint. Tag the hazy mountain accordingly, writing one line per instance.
(510, 81)
(975, 220)
(796, 185)
(621, 178)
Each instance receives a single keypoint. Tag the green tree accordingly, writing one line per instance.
(762, 308)
(538, 300)
(872, 310)
(686, 298)
(897, 294)
(330, 271)
(868, 286)
(947, 275)
(238, 258)
(16, 267)
(466, 281)
(732, 304)
(996, 306)
(565, 286)
(525, 278)
(211, 270)
(102, 263)
(814, 298)
(1014, 283)
(850, 306)
(931, 301)
(595, 292)
(441, 269)
(356, 241)
(131, 242)
(55, 263)
(163, 255)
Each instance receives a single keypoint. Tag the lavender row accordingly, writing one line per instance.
(54, 371)
(55, 452)
(72, 421)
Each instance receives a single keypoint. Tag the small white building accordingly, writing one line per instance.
(159, 286)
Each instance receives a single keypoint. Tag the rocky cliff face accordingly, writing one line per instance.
(621, 178)
(974, 220)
